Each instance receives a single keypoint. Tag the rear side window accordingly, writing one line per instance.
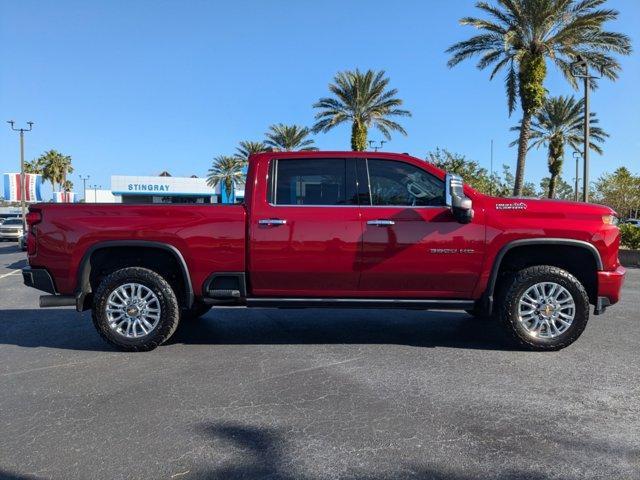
(312, 182)
(402, 184)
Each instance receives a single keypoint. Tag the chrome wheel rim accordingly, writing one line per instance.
(546, 310)
(133, 310)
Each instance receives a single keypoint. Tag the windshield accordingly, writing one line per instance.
(13, 221)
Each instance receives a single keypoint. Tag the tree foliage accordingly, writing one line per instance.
(247, 148)
(563, 190)
(560, 122)
(362, 98)
(520, 35)
(619, 190)
(630, 236)
(54, 167)
(470, 170)
(288, 138)
(227, 170)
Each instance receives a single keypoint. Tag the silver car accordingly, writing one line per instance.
(11, 229)
(22, 242)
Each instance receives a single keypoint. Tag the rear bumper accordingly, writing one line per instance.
(38, 278)
(609, 287)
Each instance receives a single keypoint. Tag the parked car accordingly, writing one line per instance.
(11, 229)
(633, 221)
(331, 229)
(22, 242)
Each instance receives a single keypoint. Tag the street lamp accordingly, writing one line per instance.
(577, 156)
(84, 186)
(22, 177)
(581, 62)
(372, 143)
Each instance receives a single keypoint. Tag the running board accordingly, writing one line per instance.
(223, 294)
(361, 303)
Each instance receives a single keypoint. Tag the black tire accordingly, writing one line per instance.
(197, 310)
(169, 309)
(518, 284)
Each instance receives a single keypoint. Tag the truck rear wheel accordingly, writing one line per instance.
(544, 308)
(135, 309)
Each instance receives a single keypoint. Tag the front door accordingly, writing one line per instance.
(412, 246)
(306, 234)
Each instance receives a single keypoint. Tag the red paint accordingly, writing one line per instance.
(328, 251)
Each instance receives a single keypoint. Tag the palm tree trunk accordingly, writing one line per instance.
(523, 143)
(228, 186)
(552, 185)
(358, 137)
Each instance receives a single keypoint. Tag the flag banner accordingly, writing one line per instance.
(65, 197)
(13, 187)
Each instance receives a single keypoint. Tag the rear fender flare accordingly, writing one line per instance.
(84, 270)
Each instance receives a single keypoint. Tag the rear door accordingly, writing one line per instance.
(412, 245)
(306, 232)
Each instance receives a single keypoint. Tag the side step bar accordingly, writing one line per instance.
(361, 303)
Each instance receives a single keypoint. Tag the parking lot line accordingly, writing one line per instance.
(10, 273)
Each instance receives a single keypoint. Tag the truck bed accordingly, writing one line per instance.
(209, 237)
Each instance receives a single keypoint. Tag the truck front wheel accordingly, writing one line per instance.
(544, 308)
(135, 309)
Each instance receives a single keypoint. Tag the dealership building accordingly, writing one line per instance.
(167, 189)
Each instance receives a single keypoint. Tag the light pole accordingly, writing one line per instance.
(22, 177)
(95, 192)
(372, 143)
(577, 156)
(491, 177)
(581, 62)
(84, 186)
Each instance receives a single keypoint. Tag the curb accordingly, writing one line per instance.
(629, 258)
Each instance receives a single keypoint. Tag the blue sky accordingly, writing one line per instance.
(137, 87)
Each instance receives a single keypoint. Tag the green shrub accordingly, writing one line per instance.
(630, 236)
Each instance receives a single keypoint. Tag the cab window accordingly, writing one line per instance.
(313, 182)
(402, 184)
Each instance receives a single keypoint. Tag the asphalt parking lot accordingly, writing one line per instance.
(314, 394)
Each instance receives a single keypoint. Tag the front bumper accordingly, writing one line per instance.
(609, 287)
(10, 235)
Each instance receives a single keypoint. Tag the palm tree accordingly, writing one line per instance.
(226, 170)
(520, 35)
(247, 148)
(67, 186)
(33, 166)
(361, 98)
(558, 123)
(289, 138)
(55, 167)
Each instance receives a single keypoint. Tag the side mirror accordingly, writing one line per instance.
(461, 206)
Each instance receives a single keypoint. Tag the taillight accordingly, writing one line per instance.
(31, 244)
(33, 217)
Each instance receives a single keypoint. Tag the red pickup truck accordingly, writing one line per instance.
(331, 229)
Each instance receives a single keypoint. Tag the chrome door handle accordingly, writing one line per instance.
(272, 221)
(381, 223)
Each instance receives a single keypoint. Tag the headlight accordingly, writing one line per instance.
(610, 220)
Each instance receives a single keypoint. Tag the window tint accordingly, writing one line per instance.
(399, 183)
(314, 182)
(13, 221)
